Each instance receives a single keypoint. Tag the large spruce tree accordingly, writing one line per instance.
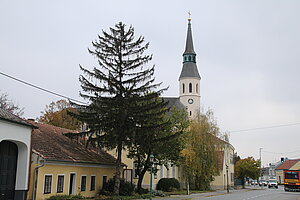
(120, 91)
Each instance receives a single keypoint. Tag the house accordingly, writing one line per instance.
(226, 167)
(286, 165)
(15, 138)
(62, 166)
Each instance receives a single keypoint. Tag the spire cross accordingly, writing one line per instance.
(189, 13)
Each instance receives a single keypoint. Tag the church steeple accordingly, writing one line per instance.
(189, 47)
(189, 79)
(189, 68)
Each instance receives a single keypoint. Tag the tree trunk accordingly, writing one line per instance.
(118, 170)
(142, 174)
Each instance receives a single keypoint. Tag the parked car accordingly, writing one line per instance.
(254, 182)
(273, 183)
(263, 183)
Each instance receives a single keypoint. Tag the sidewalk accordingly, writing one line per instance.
(201, 195)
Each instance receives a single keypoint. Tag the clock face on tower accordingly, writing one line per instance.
(190, 101)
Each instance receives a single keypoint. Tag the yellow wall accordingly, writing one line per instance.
(279, 176)
(66, 169)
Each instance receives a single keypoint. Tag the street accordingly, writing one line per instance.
(247, 194)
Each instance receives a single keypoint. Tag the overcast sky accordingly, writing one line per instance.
(247, 55)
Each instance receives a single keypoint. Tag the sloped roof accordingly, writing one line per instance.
(189, 70)
(50, 142)
(8, 116)
(174, 102)
(287, 164)
(189, 47)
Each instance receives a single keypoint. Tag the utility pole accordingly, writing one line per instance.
(260, 165)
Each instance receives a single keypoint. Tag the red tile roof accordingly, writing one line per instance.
(8, 116)
(287, 164)
(50, 142)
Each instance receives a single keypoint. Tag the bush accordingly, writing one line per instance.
(126, 188)
(65, 197)
(168, 184)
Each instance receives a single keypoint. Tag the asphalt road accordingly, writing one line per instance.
(253, 193)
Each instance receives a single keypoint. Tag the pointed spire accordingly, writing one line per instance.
(189, 48)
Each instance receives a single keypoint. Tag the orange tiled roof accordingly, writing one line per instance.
(287, 164)
(50, 142)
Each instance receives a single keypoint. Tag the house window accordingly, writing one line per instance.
(135, 170)
(104, 180)
(155, 171)
(174, 171)
(83, 183)
(168, 170)
(190, 88)
(161, 171)
(60, 183)
(183, 88)
(93, 183)
(47, 184)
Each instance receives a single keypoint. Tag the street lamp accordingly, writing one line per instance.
(151, 162)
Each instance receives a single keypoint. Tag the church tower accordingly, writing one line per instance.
(189, 79)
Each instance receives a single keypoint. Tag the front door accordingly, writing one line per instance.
(8, 168)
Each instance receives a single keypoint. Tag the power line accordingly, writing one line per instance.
(282, 152)
(40, 88)
(266, 127)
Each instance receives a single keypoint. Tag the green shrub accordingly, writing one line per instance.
(168, 184)
(126, 188)
(66, 197)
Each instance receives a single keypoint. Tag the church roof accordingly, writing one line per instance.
(189, 47)
(174, 102)
(189, 70)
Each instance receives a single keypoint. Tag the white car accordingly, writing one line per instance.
(273, 183)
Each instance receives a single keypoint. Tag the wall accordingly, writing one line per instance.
(296, 166)
(21, 136)
(56, 168)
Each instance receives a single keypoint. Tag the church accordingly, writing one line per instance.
(189, 100)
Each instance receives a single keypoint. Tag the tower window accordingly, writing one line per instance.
(190, 58)
(190, 88)
(197, 88)
(190, 113)
(194, 59)
(183, 88)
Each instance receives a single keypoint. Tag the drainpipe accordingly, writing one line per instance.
(35, 177)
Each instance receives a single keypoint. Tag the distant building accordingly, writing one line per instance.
(286, 165)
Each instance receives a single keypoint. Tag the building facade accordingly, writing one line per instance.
(61, 166)
(15, 139)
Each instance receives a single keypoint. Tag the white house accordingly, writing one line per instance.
(15, 151)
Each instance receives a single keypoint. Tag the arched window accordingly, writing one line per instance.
(194, 59)
(190, 58)
(190, 88)
(197, 88)
(183, 88)
(190, 113)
